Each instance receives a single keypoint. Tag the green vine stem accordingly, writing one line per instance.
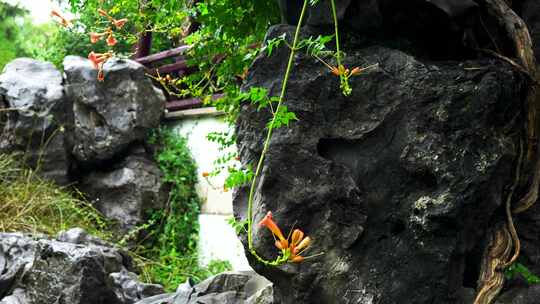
(284, 257)
(334, 14)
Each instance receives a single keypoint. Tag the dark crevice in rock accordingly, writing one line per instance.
(471, 270)
(429, 31)
(138, 147)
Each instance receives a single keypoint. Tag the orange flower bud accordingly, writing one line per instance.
(279, 245)
(355, 71)
(297, 259)
(95, 37)
(205, 174)
(335, 71)
(119, 23)
(60, 18)
(102, 12)
(101, 75)
(303, 244)
(56, 13)
(111, 41)
(297, 236)
(284, 243)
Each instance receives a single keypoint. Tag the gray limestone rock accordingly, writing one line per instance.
(37, 122)
(126, 192)
(244, 287)
(523, 295)
(110, 116)
(51, 271)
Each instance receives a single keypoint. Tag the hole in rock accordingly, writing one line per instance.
(398, 226)
(426, 177)
(341, 151)
(382, 238)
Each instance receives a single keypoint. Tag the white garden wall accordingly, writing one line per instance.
(217, 238)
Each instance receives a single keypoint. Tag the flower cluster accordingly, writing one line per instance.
(109, 33)
(344, 74)
(98, 59)
(291, 247)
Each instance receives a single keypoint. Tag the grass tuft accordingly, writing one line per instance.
(30, 204)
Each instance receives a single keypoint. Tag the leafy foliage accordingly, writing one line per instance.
(18, 36)
(520, 269)
(225, 44)
(164, 18)
(169, 250)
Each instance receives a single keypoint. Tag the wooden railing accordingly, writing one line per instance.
(178, 68)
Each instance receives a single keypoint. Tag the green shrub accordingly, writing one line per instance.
(168, 253)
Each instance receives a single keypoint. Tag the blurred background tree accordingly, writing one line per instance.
(18, 36)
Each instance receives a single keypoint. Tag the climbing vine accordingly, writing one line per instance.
(296, 242)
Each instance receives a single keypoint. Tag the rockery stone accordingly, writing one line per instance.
(396, 184)
(110, 116)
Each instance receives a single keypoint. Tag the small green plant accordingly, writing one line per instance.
(238, 226)
(519, 269)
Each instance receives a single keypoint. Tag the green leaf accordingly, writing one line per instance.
(282, 118)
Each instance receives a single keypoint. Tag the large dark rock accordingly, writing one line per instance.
(128, 191)
(110, 116)
(225, 288)
(397, 184)
(36, 123)
(45, 271)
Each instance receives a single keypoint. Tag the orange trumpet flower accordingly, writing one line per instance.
(98, 59)
(270, 224)
(101, 75)
(119, 23)
(60, 18)
(111, 41)
(95, 37)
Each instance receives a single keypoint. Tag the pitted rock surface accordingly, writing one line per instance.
(128, 191)
(45, 271)
(396, 184)
(110, 116)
